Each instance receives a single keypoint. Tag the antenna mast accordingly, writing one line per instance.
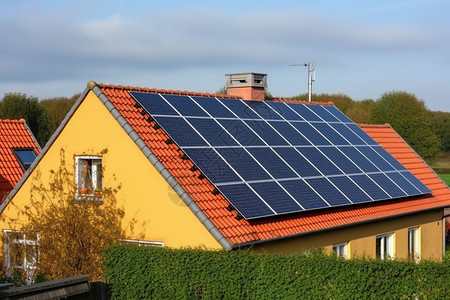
(311, 76)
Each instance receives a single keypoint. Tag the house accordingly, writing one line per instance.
(176, 204)
(18, 149)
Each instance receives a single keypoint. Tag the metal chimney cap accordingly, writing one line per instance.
(246, 80)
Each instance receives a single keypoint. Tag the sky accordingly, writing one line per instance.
(361, 49)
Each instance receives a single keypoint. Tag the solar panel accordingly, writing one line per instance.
(274, 158)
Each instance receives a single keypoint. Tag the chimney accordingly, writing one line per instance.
(248, 86)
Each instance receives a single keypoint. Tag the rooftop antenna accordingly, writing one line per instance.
(311, 76)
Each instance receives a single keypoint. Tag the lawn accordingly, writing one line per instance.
(446, 178)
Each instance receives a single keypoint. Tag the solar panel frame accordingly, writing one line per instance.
(283, 157)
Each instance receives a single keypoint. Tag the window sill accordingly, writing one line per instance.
(88, 199)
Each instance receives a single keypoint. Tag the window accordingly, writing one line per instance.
(25, 157)
(88, 170)
(340, 250)
(413, 243)
(384, 246)
(21, 252)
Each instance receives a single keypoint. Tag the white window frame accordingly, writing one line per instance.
(340, 249)
(386, 246)
(28, 265)
(89, 185)
(414, 243)
(142, 242)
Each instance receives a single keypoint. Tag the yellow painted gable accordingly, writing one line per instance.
(159, 212)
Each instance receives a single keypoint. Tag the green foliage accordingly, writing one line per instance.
(162, 273)
(409, 117)
(440, 123)
(57, 109)
(18, 106)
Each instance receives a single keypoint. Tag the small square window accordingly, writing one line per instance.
(26, 156)
(88, 178)
(340, 250)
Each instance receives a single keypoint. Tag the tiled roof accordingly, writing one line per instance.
(240, 231)
(13, 134)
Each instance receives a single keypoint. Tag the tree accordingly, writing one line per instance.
(72, 233)
(57, 109)
(18, 106)
(410, 118)
(441, 127)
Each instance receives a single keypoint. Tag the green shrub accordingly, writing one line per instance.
(162, 273)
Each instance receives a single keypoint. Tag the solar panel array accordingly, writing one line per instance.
(273, 158)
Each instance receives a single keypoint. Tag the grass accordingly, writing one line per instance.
(446, 178)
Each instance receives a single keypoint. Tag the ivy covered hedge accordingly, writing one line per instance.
(162, 273)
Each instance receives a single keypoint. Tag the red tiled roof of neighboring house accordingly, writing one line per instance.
(240, 231)
(13, 134)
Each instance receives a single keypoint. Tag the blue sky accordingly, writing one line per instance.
(361, 48)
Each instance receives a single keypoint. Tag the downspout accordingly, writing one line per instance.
(160, 167)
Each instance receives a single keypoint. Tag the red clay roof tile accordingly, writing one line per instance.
(243, 231)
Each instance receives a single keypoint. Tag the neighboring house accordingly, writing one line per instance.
(18, 149)
(175, 205)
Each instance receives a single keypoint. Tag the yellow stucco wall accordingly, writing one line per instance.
(361, 238)
(160, 214)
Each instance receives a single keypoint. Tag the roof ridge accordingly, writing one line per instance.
(385, 125)
(22, 121)
(302, 101)
(161, 91)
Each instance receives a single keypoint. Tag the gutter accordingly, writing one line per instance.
(92, 85)
(259, 242)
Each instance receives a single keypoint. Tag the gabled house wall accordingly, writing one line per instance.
(160, 213)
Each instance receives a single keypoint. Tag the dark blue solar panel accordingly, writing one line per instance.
(154, 104)
(285, 111)
(243, 163)
(297, 162)
(186, 105)
(246, 202)
(262, 109)
(350, 189)
(391, 188)
(416, 182)
(241, 109)
(276, 197)
(270, 136)
(304, 195)
(270, 158)
(343, 162)
(375, 158)
(319, 161)
(370, 187)
(323, 113)
(304, 111)
(338, 114)
(383, 153)
(404, 184)
(212, 132)
(180, 131)
(330, 134)
(212, 165)
(289, 133)
(214, 107)
(359, 159)
(359, 132)
(272, 163)
(241, 132)
(347, 134)
(328, 191)
(310, 133)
